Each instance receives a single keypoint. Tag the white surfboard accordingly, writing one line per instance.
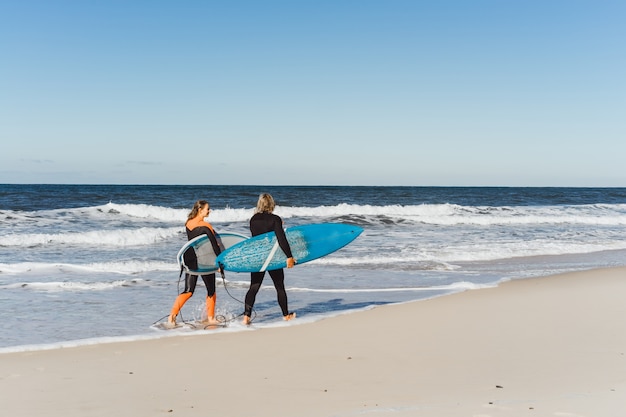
(205, 253)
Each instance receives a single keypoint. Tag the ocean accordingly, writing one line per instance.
(85, 264)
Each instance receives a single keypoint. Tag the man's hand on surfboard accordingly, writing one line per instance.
(290, 262)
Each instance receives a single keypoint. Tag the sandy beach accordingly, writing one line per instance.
(553, 346)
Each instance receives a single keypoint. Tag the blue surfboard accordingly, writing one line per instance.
(205, 253)
(307, 242)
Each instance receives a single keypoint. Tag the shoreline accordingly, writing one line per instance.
(549, 345)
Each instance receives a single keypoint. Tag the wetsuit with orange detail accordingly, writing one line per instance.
(262, 223)
(198, 228)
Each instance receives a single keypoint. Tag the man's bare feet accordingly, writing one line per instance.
(246, 320)
(289, 316)
(171, 320)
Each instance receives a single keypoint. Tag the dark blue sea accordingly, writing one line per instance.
(93, 263)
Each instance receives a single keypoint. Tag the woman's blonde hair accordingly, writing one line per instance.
(265, 204)
(196, 208)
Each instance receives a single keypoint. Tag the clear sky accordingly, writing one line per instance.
(354, 92)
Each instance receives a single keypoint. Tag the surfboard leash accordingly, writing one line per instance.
(221, 318)
(180, 313)
(234, 298)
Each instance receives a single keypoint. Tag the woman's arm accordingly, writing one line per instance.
(282, 241)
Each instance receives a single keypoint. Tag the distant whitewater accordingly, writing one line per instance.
(98, 262)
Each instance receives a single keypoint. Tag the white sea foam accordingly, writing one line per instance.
(73, 286)
(128, 267)
(121, 233)
(444, 214)
(454, 287)
(451, 214)
(115, 237)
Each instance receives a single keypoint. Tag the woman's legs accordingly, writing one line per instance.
(209, 282)
(256, 279)
(278, 276)
(190, 287)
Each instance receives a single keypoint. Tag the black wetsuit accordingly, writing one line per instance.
(262, 223)
(192, 261)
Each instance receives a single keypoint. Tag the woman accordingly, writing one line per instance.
(264, 221)
(196, 226)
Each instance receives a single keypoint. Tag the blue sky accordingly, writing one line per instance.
(527, 93)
